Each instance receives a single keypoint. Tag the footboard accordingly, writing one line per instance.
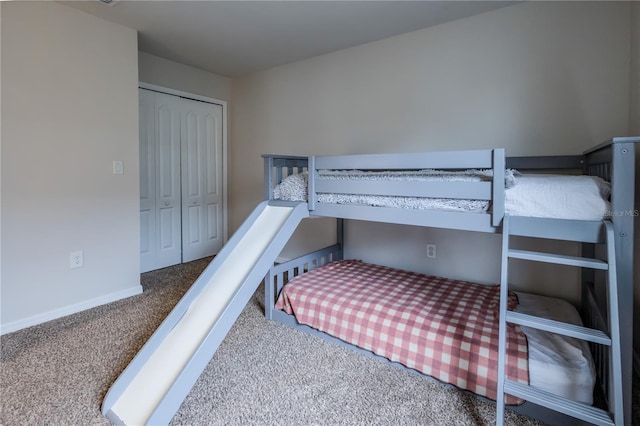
(282, 273)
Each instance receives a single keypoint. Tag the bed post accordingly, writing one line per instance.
(269, 295)
(311, 188)
(268, 177)
(623, 215)
(498, 186)
(340, 236)
(614, 160)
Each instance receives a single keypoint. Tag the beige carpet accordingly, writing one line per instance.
(264, 373)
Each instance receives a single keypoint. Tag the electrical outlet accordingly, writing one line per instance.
(76, 259)
(431, 251)
(118, 167)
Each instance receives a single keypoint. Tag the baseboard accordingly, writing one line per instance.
(68, 310)
(636, 364)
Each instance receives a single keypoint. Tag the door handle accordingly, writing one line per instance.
(167, 203)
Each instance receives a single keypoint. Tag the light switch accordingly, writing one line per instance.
(118, 167)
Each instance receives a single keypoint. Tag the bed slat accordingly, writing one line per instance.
(416, 161)
(498, 187)
(457, 190)
(547, 163)
(435, 218)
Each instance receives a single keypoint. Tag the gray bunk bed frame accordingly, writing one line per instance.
(613, 160)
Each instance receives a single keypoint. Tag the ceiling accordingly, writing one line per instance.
(235, 38)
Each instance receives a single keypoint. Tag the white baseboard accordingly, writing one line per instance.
(68, 310)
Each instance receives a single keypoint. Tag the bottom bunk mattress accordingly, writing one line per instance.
(444, 328)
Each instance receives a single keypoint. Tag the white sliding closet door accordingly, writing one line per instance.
(161, 242)
(201, 180)
(181, 216)
(148, 233)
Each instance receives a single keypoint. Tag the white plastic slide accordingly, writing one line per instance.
(152, 387)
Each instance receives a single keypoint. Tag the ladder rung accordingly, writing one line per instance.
(583, 262)
(571, 330)
(567, 406)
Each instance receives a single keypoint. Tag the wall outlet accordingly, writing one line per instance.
(118, 167)
(76, 259)
(431, 251)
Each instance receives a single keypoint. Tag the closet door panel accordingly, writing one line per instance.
(213, 178)
(192, 184)
(213, 221)
(148, 236)
(192, 156)
(147, 225)
(194, 224)
(201, 151)
(167, 239)
(168, 127)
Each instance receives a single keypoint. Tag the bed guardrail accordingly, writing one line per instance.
(282, 273)
(454, 160)
(278, 167)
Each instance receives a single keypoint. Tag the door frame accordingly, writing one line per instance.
(223, 104)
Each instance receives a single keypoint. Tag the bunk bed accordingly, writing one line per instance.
(472, 190)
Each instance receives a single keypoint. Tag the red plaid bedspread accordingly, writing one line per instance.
(444, 328)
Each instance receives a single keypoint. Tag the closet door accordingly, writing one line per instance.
(201, 180)
(160, 198)
(148, 236)
(168, 123)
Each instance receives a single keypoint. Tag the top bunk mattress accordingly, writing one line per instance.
(534, 195)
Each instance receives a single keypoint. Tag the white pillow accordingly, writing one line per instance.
(292, 188)
(559, 196)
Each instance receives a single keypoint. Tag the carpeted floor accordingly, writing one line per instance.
(264, 373)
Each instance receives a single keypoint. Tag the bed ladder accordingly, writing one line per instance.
(556, 229)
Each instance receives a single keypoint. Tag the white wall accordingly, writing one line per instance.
(69, 108)
(536, 78)
(173, 75)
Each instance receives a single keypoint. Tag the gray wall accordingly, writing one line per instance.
(173, 75)
(69, 109)
(536, 78)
